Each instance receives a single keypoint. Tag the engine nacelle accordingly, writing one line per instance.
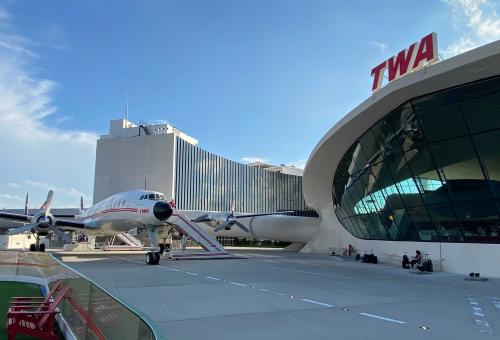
(44, 221)
(219, 219)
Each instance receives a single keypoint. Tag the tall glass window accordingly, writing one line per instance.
(428, 171)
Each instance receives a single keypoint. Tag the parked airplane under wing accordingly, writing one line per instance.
(114, 215)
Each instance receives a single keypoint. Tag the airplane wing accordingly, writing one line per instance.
(27, 218)
(15, 217)
(265, 214)
(72, 224)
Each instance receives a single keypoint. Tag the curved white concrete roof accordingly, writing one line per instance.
(482, 62)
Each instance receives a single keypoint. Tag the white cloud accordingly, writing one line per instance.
(478, 22)
(300, 164)
(380, 45)
(461, 46)
(35, 149)
(10, 197)
(253, 160)
(63, 119)
(71, 192)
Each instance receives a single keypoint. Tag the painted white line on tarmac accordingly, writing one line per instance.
(317, 303)
(190, 273)
(129, 260)
(315, 273)
(264, 290)
(175, 270)
(382, 318)
(237, 284)
(483, 326)
(496, 304)
(212, 278)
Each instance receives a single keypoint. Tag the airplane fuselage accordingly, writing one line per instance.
(124, 211)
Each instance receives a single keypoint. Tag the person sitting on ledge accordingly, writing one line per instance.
(416, 259)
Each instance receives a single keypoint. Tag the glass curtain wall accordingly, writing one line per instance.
(207, 182)
(428, 171)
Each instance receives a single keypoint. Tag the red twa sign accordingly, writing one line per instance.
(408, 60)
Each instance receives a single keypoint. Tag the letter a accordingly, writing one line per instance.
(427, 51)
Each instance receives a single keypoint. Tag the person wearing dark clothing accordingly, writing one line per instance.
(416, 259)
(406, 262)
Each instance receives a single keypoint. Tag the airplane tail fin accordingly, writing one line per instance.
(26, 205)
(81, 204)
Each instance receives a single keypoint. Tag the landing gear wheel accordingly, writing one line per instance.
(156, 256)
(32, 247)
(41, 247)
(162, 248)
(150, 258)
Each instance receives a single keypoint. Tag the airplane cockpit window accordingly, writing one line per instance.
(155, 197)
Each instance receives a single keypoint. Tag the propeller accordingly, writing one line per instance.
(43, 221)
(202, 218)
(242, 227)
(222, 226)
(23, 229)
(230, 219)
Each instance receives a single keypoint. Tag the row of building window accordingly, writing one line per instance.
(207, 182)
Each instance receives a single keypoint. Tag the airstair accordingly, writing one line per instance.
(130, 243)
(192, 231)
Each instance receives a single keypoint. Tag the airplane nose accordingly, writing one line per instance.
(162, 211)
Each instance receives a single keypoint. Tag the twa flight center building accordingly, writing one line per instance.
(417, 164)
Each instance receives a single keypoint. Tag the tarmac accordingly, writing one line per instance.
(280, 295)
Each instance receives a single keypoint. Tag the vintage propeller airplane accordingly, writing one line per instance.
(116, 214)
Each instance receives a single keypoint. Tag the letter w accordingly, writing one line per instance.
(399, 66)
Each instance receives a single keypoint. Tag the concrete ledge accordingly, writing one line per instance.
(468, 278)
(418, 272)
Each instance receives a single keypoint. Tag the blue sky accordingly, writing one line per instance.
(249, 79)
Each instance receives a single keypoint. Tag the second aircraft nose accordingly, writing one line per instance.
(162, 211)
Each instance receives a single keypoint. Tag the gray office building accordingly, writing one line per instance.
(162, 158)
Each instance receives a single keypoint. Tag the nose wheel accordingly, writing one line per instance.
(152, 258)
(37, 246)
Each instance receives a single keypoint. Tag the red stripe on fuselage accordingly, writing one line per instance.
(112, 210)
